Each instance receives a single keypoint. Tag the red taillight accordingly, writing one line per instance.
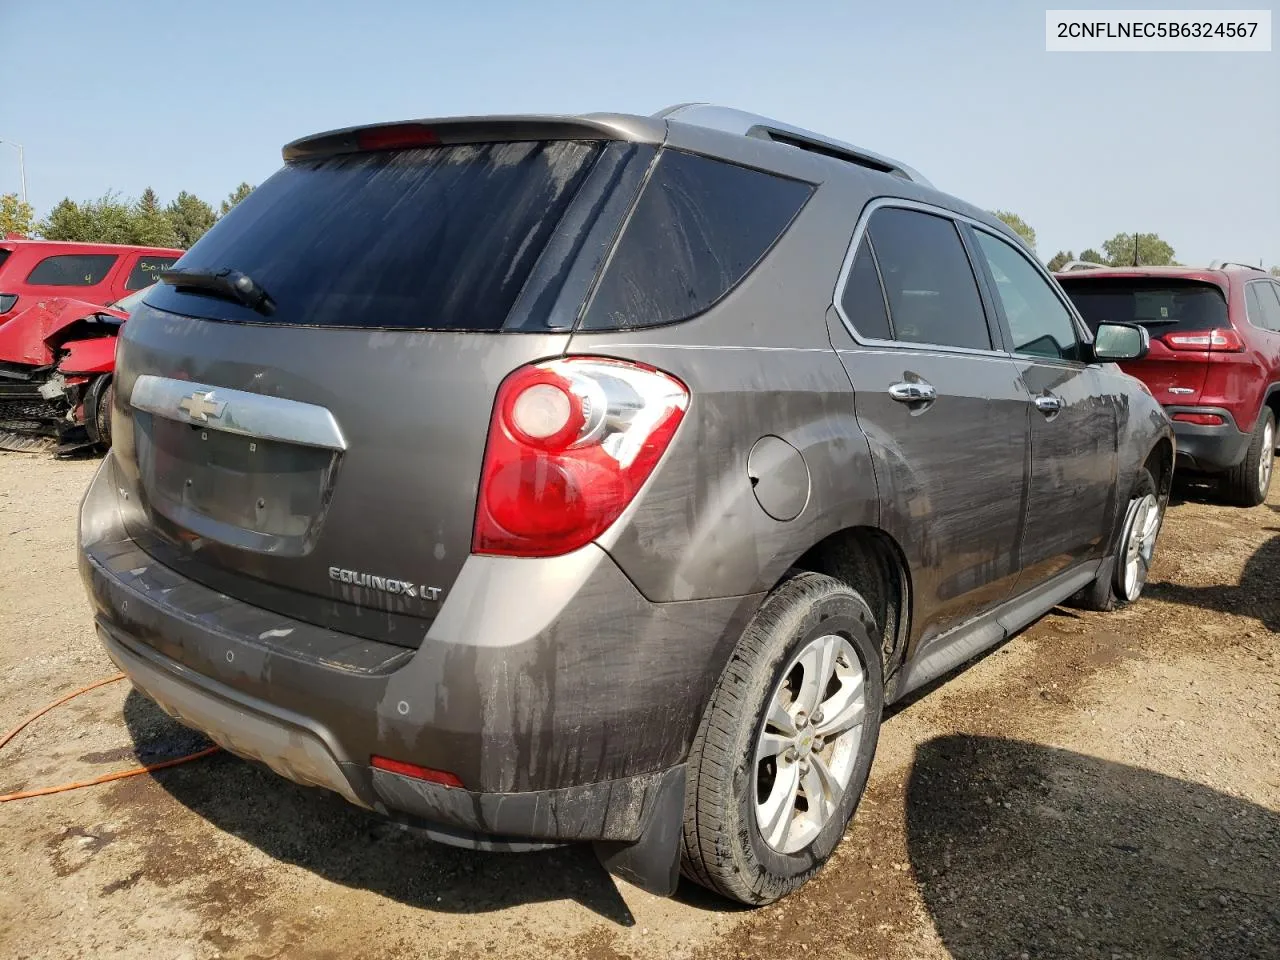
(1219, 341)
(400, 136)
(1203, 419)
(570, 443)
(442, 777)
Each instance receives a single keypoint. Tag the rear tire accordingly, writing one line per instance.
(812, 628)
(1108, 589)
(1246, 484)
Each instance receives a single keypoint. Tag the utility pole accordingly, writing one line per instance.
(22, 168)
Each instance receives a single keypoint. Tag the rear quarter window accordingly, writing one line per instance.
(147, 271)
(72, 270)
(698, 228)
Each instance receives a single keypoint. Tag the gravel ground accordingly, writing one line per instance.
(1101, 786)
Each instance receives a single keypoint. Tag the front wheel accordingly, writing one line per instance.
(782, 755)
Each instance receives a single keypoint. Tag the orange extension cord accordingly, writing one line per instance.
(105, 778)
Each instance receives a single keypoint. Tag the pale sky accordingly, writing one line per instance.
(178, 96)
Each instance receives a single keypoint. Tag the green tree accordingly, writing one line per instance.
(236, 195)
(105, 220)
(15, 216)
(151, 224)
(1142, 249)
(190, 217)
(1060, 259)
(1092, 256)
(1275, 271)
(1018, 226)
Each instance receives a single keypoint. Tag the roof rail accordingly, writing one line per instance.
(1233, 264)
(1072, 265)
(729, 120)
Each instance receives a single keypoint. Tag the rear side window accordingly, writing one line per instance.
(441, 238)
(933, 296)
(4, 255)
(698, 228)
(72, 270)
(1264, 298)
(147, 271)
(863, 298)
(1164, 305)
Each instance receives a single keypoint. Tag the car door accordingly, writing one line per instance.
(1262, 306)
(1071, 498)
(942, 408)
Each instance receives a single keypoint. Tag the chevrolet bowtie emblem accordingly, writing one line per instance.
(201, 406)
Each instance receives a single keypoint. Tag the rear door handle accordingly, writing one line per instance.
(1049, 405)
(913, 392)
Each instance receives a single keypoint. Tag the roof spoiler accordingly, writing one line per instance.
(451, 130)
(729, 120)
(1233, 265)
(1071, 266)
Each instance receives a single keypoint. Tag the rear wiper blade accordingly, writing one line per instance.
(227, 283)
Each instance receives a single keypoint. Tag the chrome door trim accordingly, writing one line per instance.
(237, 411)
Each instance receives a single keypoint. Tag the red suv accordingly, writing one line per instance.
(1214, 360)
(100, 273)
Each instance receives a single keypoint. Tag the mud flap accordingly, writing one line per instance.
(652, 863)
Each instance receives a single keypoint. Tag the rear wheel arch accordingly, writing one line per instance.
(873, 564)
(1272, 399)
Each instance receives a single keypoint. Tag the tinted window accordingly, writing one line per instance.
(441, 238)
(863, 298)
(147, 271)
(72, 270)
(4, 255)
(1041, 326)
(933, 297)
(698, 228)
(1268, 295)
(1165, 305)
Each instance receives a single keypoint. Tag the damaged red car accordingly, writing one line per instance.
(57, 358)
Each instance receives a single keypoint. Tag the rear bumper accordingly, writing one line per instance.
(1211, 449)
(565, 722)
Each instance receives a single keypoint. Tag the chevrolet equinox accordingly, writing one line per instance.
(538, 479)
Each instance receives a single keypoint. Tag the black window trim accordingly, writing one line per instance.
(1084, 339)
(958, 220)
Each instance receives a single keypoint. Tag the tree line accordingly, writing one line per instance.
(184, 220)
(115, 219)
(1122, 250)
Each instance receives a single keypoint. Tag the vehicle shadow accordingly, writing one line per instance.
(1022, 850)
(1254, 596)
(318, 831)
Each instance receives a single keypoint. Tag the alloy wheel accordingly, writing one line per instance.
(1140, 544)
(807, 745)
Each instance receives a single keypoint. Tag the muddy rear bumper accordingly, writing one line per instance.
(563, 728)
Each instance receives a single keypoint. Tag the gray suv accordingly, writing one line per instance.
(533, 480)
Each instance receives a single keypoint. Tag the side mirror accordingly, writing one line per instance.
(1120, 341)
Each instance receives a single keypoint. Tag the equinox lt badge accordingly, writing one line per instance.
(402, 588)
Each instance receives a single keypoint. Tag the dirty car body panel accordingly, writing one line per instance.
(286, 547)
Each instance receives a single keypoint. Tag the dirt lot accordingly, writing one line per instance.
(1101, 786)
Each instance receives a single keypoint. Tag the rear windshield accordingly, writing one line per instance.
(442, 238)
(1169, 305)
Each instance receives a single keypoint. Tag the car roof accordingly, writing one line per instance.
(711, 127)
(1219, 278)
(73, 246)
